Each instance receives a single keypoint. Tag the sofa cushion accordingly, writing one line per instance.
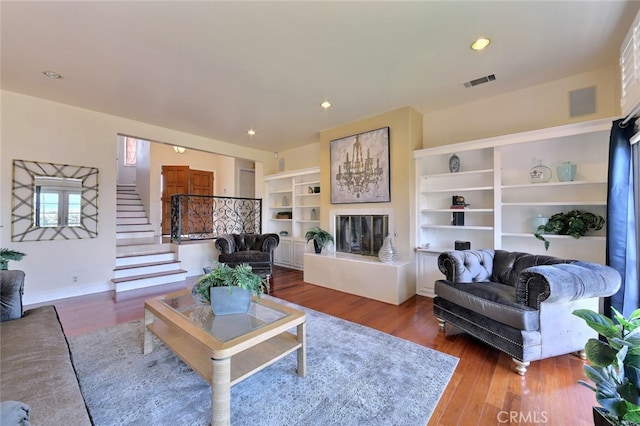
(14, 413)
(11, 290)
(467, 266)
(246, 256)
(507, 265)
(37, 369)
(492, 300)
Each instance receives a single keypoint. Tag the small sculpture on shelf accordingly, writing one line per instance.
(540, 173)
(454, 163)
(458, 203)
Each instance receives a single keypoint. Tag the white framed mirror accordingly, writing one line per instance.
(54, 201)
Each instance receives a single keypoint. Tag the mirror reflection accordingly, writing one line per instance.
(57, 201)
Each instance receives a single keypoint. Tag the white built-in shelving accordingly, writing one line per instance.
(494, 181)
(298, 193)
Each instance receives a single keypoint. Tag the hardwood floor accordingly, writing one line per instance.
(483, 390)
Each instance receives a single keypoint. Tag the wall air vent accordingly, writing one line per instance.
(481, 80)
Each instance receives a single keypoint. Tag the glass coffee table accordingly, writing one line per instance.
(227, 349)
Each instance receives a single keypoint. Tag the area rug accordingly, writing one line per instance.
(355, 376)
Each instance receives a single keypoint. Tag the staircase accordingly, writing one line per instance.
(142, 260)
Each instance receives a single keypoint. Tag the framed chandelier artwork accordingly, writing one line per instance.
(360, 168)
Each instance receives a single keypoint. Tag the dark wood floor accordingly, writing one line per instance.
(483, 390)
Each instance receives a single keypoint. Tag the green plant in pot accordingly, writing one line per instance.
(615, 366)
(319, 237)
(575, 223)
(224, 284)
(6, 255)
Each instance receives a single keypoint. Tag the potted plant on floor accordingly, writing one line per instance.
(575, 223)
(6, 255)
(229, 289)
(320, 238)
(615, 367)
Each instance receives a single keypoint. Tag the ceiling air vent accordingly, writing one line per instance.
(481, 80)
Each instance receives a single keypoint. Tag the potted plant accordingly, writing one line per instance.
(615, 366)
(575, 223)
(6, 255)
(229, 289)
(319, 236)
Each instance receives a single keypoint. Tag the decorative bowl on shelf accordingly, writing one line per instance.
(566, 171)
(284, 233)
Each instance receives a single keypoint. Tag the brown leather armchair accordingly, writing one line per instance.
(253, 249)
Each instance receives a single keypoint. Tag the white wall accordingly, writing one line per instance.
(537, 107)
(39, 130)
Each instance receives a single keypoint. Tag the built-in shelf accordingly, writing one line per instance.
(457, 210)
(558, 203)
(461, 228)
(552, 236)
(495, 184)
(295, 184)
(450, 174)
(552, 184)
(459, 189)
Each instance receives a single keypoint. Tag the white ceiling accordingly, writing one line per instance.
(217, 69)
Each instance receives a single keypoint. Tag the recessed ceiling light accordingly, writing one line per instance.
(251, 132)
(52, 74)
(480, 43)
(326, 105)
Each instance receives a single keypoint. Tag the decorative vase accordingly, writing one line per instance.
(317, 247)
(285, 201)
(540, 173)
(314, 214)
(387, 253)
(538, 221)
(566, 171)
(229, 300)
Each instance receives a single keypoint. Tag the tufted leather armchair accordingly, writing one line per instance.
(521, 303)
(253, 249)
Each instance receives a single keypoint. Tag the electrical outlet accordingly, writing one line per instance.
(75, 278)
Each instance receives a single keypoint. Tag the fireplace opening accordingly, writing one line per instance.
(361, 234)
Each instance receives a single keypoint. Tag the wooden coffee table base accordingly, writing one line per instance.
(223, 364)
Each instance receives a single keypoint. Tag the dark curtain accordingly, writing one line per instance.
(622, 217)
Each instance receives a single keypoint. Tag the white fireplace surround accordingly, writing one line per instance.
(362, 275)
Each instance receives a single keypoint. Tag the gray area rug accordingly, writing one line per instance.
(355, 376)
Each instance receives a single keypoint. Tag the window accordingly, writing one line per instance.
(131, 151)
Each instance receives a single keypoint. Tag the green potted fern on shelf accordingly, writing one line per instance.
(575, 223)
